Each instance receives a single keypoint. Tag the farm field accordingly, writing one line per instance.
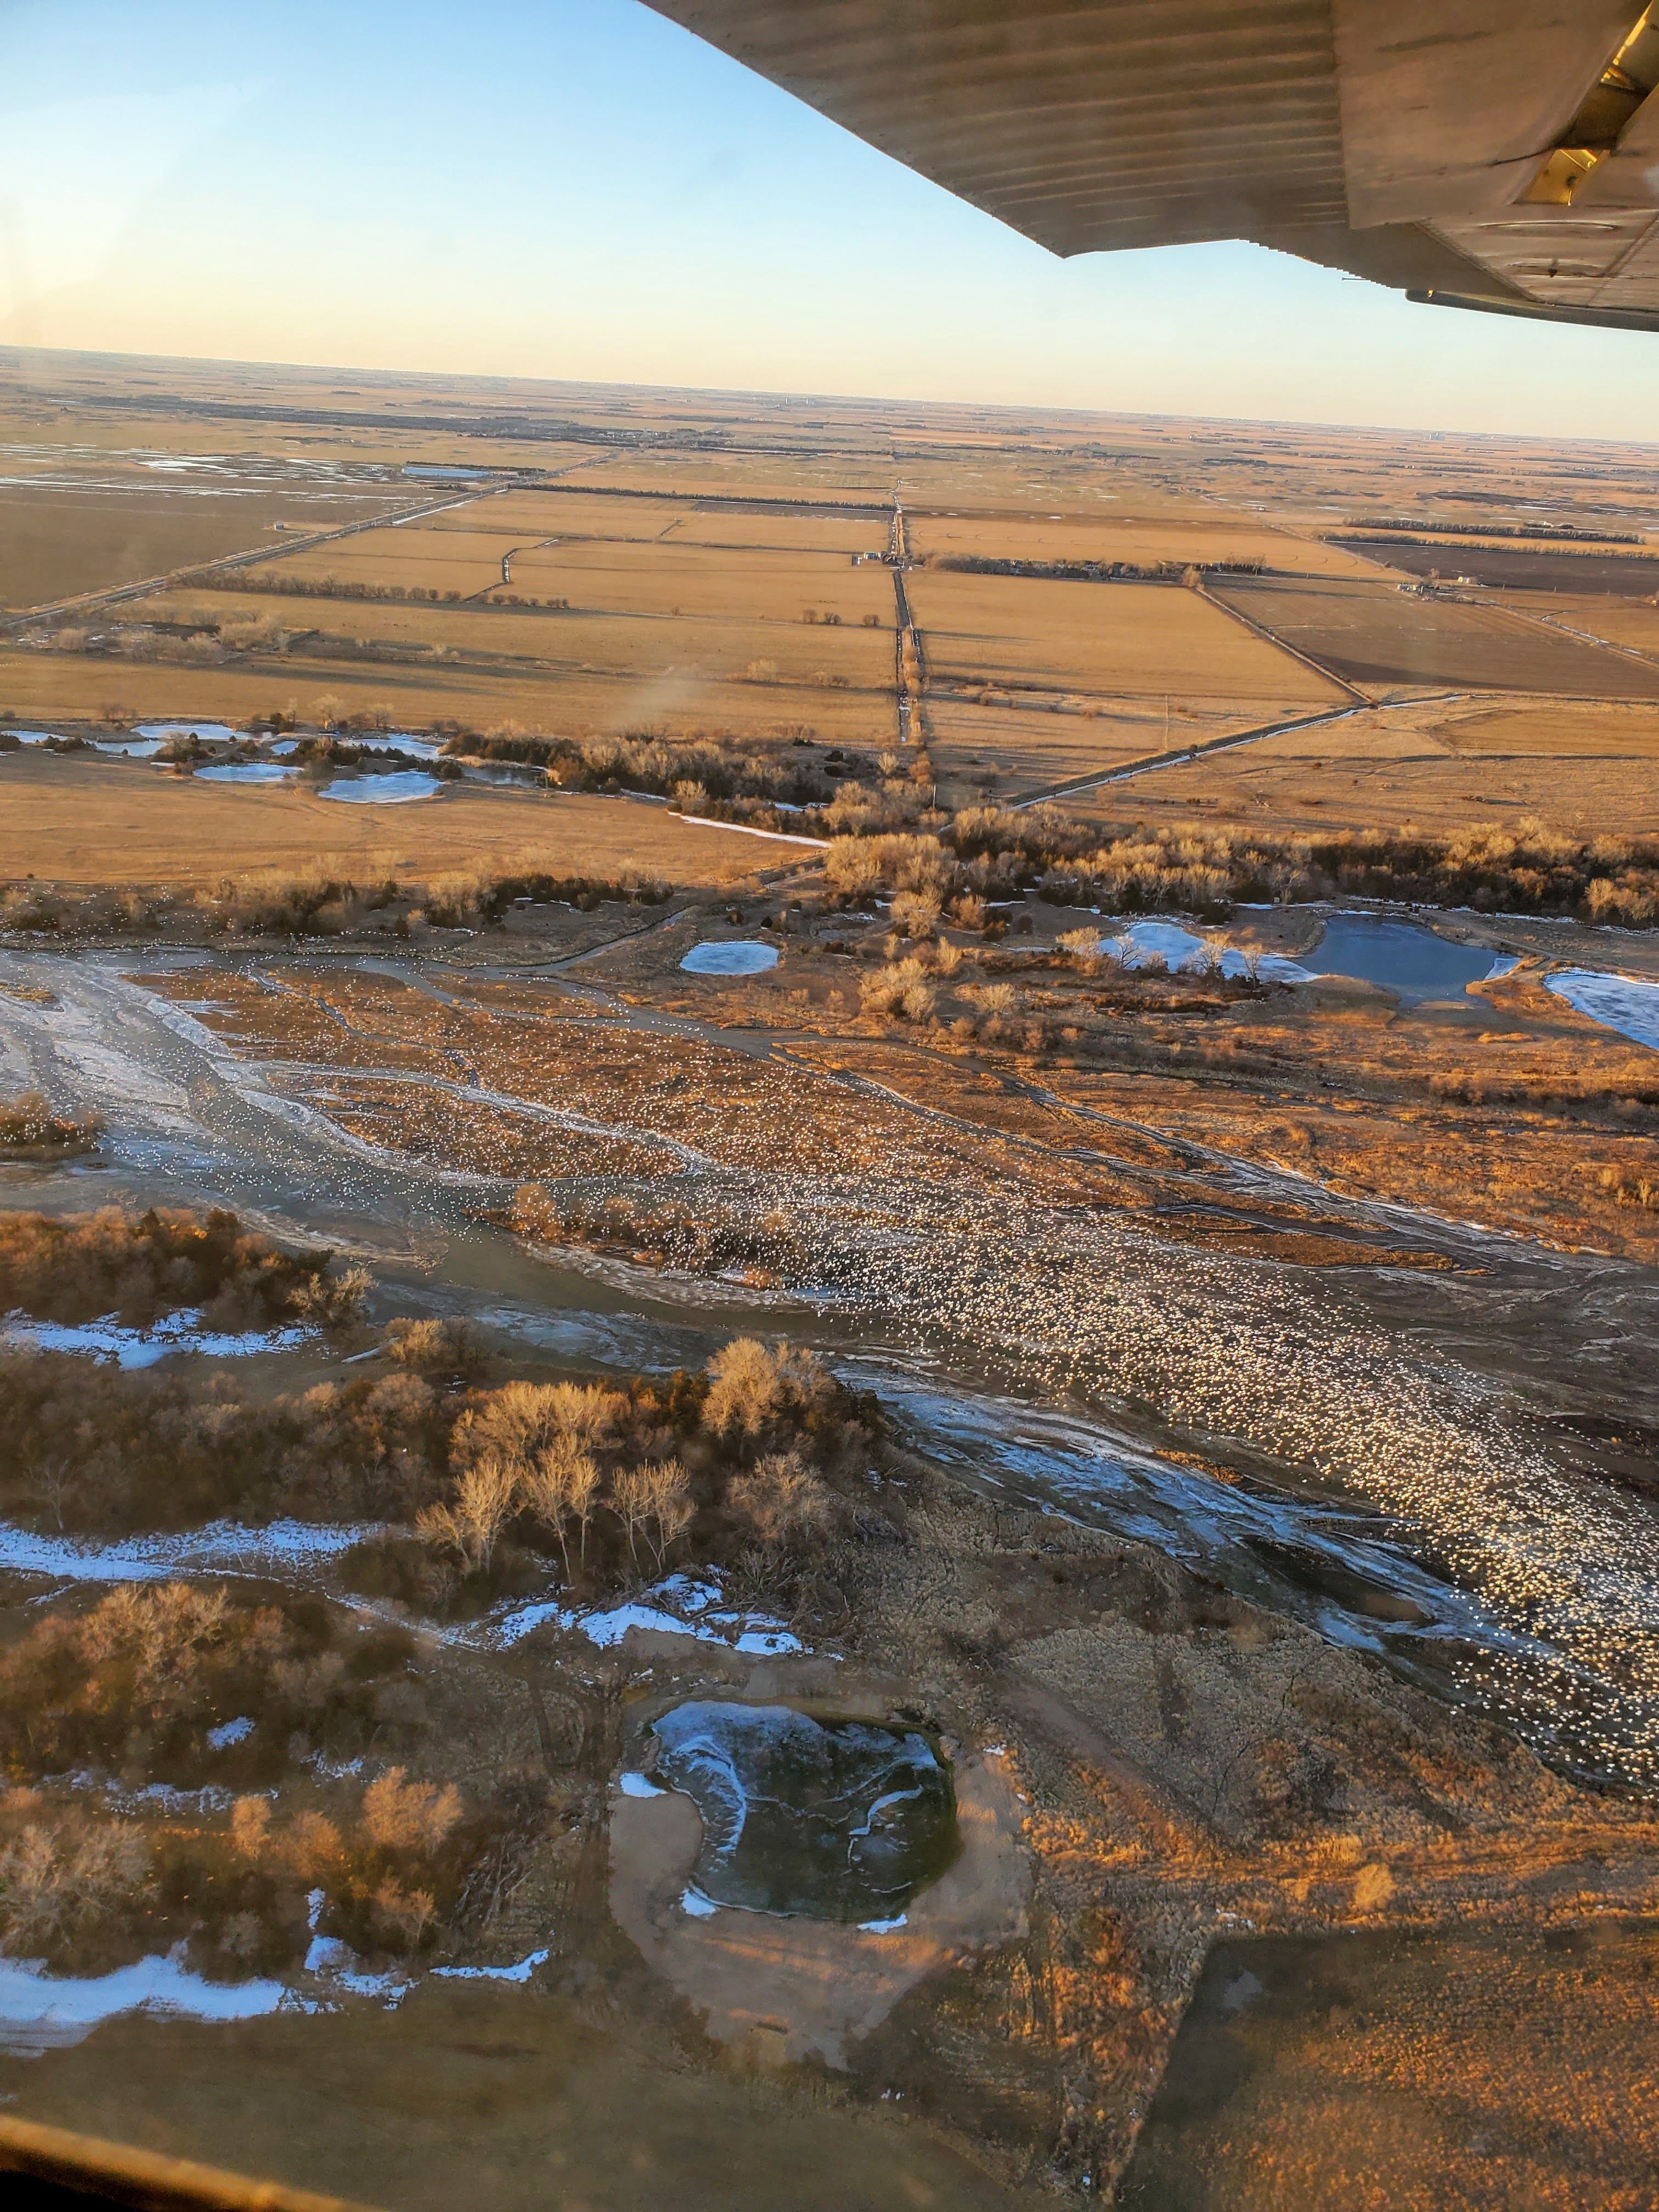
(1579, 571)
(93, 822)
(1200, 541)
(1117, 640)
(1438, 764)
(1632, 624)
(60, 539)
(985, 745)
(1374, 635)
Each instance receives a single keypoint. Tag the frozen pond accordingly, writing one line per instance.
(399, 741)
(1178, 948)
(1400, 957)
(738, 957)
(209, 732)
(247, 772)
(833, 1820)
(1629, 1004)
(33, 737)
(133, 748)
(394, 790)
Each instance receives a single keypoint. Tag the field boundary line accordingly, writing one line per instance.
(1178, 755)
(84, 601)
(1584, 637)
(1271, 637)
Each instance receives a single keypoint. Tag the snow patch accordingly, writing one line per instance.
(521, 1972)
(220, 1548)
(40, 2013)
(109, 1339)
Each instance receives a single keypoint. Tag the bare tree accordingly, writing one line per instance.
(560, 1485)
(486, 1494)
(671, 1509)
(632, 1498)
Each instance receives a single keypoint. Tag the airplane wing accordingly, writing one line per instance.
(1495, 154)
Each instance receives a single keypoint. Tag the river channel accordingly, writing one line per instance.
(1464, 1562)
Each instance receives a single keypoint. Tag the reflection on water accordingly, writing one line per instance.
(833, 1820)
(1400, 956)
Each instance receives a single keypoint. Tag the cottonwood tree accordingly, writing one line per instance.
(561, 1485)
(486, 1496)
(669, 1493)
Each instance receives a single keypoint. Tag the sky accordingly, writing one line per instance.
(580, 189)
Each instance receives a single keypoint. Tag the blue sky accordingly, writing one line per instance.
(577, 188)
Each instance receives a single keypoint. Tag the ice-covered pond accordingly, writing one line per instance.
(394, 790)
(833, 1820)
(399, 741)
(1629, 1004)
(737, 957)
(1401, 956)
(209, 732)
(247, 772)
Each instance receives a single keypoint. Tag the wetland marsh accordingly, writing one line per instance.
(747, 1422)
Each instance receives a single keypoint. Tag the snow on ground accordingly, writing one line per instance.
(526, 1968)
(1628, 1004)
(680, 1605)
(221, 1547)
(1179, 948)
(109, 1339)
(39, 2012)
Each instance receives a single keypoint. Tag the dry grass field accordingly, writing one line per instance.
(1010, 750)
(1106, 640)
(1107, 537)
(1632, 624)
(1374, 635)
(81, 823)
(1423, 2073)
(56, 540)
(1441, 765)
(1362, 1273)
